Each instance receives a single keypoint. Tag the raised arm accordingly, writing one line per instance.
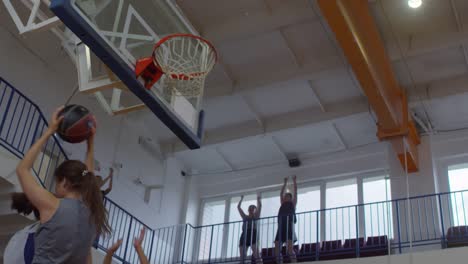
(111, 251)
(109, 178)
(90, 257)
(239, 208)
(295, 191)
(283, 190)
(259, 206)
(111, 173)
(90, 151)
(139, 249)
(42, 199)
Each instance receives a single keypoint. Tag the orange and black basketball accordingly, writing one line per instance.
(77, 124)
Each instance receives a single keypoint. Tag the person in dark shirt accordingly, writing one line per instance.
(286, 221)
(102, 182)
(249, 229)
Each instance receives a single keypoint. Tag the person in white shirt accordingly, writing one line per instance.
(20, 248)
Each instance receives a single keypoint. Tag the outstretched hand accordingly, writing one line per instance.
(55, 120)
(139, 240)
(116, 246)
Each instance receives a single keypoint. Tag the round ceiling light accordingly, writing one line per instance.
(414, 3)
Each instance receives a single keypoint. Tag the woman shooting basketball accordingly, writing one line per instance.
(69, 220)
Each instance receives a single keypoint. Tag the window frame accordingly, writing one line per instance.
(320, 183)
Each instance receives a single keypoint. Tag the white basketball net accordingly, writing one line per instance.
(185, 61)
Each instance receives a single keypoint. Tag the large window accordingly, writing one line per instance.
(377, 211)
(306, 226)
(336, 222)
(267, 226)
(458, 182)
(340, 216)
(213, 213)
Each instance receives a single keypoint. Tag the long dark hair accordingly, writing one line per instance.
(84, 182)
(22, 205)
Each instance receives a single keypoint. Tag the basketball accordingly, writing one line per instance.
(77, 124)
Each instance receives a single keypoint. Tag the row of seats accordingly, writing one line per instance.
(457, 236)
(374, 246)
(330, 250)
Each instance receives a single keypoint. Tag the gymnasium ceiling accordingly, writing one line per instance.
(283, 87)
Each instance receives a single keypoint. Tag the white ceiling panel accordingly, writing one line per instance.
(432, 66)
(251, 152)
(226, 110)
(282, 98)
(263, 47)
(218, 77)
(450, 112)
(357, 130)
(205, 159)
(337, 89)
(296, 4)
(310, 42)
(208, 12)
(319, 138)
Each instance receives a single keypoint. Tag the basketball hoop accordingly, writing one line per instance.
(184, 59)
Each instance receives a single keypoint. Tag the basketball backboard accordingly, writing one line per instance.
(119, 32)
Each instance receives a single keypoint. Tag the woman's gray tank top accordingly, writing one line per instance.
(67, 237)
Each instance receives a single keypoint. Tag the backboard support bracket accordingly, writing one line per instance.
(31, 25)
(67, 13)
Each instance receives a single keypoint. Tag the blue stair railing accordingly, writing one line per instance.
(21, 124)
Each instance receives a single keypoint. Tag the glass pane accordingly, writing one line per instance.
(267, 226)
(340, 220)
(307, 204)
(211, 236)
(458, 181)
(377, 212)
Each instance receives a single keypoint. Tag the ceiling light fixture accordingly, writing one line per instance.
(414, 3)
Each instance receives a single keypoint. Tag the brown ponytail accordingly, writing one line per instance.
(78, 179)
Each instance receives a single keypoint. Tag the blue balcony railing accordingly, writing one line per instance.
(372, 229)
(387, 227)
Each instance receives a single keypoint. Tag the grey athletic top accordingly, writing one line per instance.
(67, 237)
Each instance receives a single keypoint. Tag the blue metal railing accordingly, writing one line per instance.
(385, 227)
(380, 228)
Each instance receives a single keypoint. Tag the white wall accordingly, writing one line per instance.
(419, 183)
(367, 159)
(50, 82)
(192, 202)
